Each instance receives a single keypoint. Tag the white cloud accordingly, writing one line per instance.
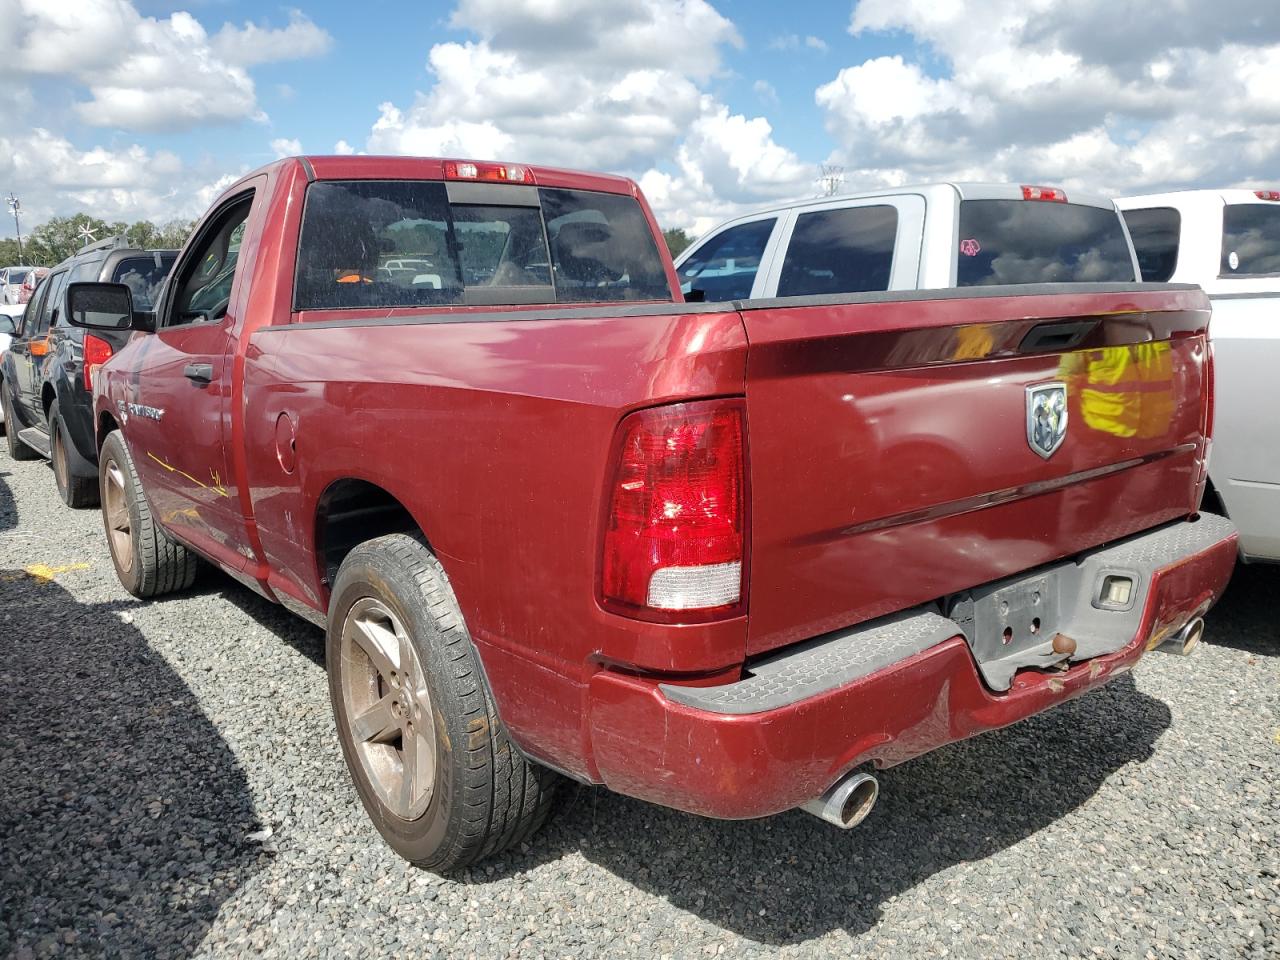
(791, 42)
(617, 85)
(53, 177)
(765, 91)
(254, 43)
(343, 149)
(286, 147)
(726, 164)
(1089, 93)
(148, 73)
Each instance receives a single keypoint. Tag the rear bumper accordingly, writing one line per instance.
(761, 746)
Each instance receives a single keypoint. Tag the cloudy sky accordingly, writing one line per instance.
(139, 108)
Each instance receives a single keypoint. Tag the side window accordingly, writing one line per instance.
(1155, 233)
(848, 250)
(725, 267)
(86, 270)
(27, 322)
(203, 287)
(51, 309)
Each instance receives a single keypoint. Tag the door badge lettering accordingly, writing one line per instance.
(142, 410)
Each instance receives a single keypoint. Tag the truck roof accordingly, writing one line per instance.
(364, 167)
(966, 190)
(1225, 194)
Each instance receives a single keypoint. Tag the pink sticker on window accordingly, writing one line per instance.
(970, 248)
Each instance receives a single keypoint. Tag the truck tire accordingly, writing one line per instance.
(147, 560)
(76, 491)
(17, 449)
(406, 682)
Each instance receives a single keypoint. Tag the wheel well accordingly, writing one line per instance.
(106, 423)
(351, 512)
(1213, 501)
(47, 396)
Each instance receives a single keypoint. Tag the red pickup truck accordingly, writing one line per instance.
(556, 521)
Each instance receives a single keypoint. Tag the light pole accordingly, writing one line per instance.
(15, 205)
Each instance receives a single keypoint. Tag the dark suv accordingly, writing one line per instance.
(46, 376)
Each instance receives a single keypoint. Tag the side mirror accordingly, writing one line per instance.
(103, 306)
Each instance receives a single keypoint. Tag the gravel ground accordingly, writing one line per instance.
(170, 785)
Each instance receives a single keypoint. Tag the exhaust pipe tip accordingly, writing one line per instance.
(1190, 635)
(1186, 639)
(847, 803)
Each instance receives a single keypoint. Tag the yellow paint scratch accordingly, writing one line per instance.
(216, 486)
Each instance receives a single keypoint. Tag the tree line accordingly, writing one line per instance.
(52, 242)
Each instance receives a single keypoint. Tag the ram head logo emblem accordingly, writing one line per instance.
(1046, 417)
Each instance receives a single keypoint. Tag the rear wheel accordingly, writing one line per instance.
(147, 560)
(435, 770)
(75, 490)
(17, 449)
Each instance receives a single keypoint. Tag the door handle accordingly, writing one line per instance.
(198, 372)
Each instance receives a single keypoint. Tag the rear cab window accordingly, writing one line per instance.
(406, 243)
(1037, 241)
(1251, 240)
(1155, 232)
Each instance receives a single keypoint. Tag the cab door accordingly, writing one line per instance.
(180, 397)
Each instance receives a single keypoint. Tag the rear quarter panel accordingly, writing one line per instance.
(495, 436)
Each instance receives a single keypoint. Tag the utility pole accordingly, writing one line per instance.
(831, 178)
(15, 205)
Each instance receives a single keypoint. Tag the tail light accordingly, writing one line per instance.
(675, 534)
(490, 172)
(96, 353)
(1206, 450)
(1267, 194)
(1051, 194)
(1209, 388)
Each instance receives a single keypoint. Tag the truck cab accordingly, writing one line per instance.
(926, 237)
(1228, 242)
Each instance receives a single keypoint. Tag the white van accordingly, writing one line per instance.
(1228, 241)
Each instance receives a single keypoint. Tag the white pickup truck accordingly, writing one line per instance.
(926, 237)
(1228, 242)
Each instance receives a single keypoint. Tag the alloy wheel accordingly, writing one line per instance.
(387, 708)
(115, 508)
(59, 460)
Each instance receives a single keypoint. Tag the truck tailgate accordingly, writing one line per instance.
(892, 461)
